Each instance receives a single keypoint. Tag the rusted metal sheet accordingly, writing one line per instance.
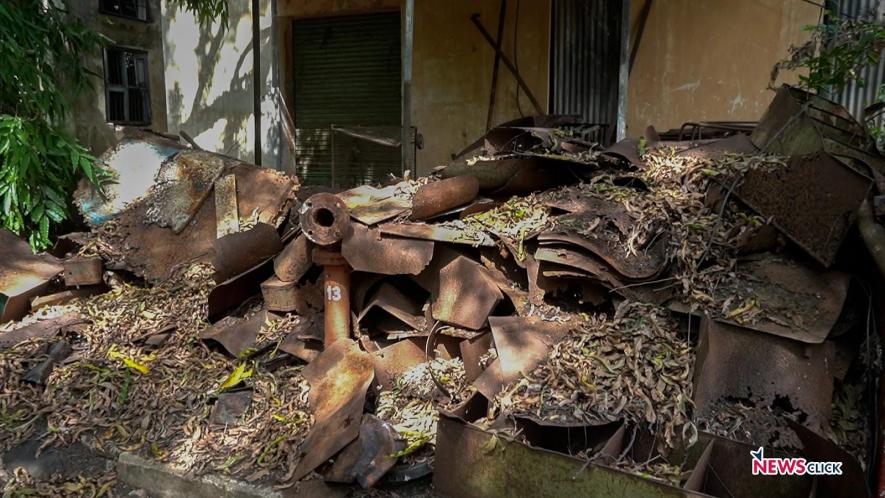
(471, 462)
(152, 251)
(796, 301)
(40, 329)
(83, 271)
(235, 290)
(735, 144)
(23, 275)
(522, 344)
(339, 379)
(56, 354)
(852, 481)
(305, 340)
(471, 351)
(397, 359)
(324, 218)
(234, 334)
(813, 201)
(438, 197)
(465, 296)
(229, 408)
(627, 149)
(438, 233)
(645, 263)
(237, 252)
(367, 250)
(782, 368)
(370, 205)
(389, 299)
(135, 162)
(227, 215)
(367, 459)
(67, 296)
(291, 264)
(182, 186)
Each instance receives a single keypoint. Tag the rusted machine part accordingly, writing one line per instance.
(324, 218)
(336, 294)
(238, 252)
(438, 197)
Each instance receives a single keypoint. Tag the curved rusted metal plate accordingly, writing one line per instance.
(367, 459)
(23, 275)
(366, 249)
(339, 379)
(466, 296)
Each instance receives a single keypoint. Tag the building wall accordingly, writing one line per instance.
(452, 64)
(88, 117)
(209, 81)
(710, 60)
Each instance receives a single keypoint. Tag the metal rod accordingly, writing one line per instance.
(506, 60)
(337, 303)
(624, 72)
(408, 37)
(502, 20)
(256, 77)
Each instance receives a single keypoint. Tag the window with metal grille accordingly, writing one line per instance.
(133, 9)
(126, 85)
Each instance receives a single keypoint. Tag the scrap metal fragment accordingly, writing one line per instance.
(437, 233)
(40, 329)
(238, 252)
(324, 218)
(466, 295)
(367, 250)
(279, 295)
(397, 359)
(851, 482)
(339, 379)
(227, 215)
(780, 369)
(813, 200)
(57, 354)
(472, 350)
(371, 205)
(397, 304)
(66, 296)
(234, 334)
(644, 264)
(291, 264)
(83, 271)
(23, 275)
(522, 344)
(235, 290)
(367, 459)
(440, 196)
(229, 408)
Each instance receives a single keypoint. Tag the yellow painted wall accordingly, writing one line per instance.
(710, 60)
(452, 64)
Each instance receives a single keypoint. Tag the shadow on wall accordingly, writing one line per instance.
(225, 120)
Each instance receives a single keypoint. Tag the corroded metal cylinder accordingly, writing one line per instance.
(438, 197)
(324, 218)
(336, 294)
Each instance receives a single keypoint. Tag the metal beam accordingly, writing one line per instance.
(406, 145)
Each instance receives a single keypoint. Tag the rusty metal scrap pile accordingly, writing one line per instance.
(648, 312)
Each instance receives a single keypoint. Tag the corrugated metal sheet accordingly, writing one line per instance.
(856, 97)
(585, 60)
(347, 73)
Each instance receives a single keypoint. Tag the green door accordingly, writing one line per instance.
(347, 76)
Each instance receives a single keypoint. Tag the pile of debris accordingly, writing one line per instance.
(641, 316)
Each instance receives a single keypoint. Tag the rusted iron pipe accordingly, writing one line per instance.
(438, 197)
(336, 294)
(324, 221)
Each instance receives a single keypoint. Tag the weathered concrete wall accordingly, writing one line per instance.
(209, 82)
(452, 64)
(88, 116)
(710, 60)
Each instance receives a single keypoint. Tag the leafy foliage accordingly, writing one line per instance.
(40, 68)
(206, 10)
(836, 52)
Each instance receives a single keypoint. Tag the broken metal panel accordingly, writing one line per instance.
(397, 359)
(799, 302)
(437, 233)
(57, 354)
(237, 252)
(23, 275)
(134, 164)
(465, 296)
(813, 201)
(40, 329)
(339, 379)
(366, 249)
(228, 409)
(83, 271)
(294, 261)
(370, 205)
(182, 186)
(367, 459)
(852, 481)
(227, 216)
(782, 368)
(234, 334)
(471, 462)
(398, 305)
